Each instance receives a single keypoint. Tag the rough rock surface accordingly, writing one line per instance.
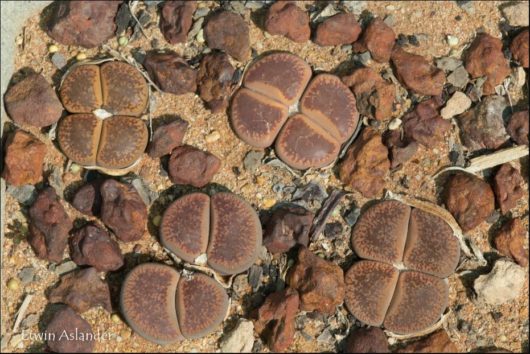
(507, 185)
(417, 74)
(516, 13)
(48, 226)
(167, 137)
(229, 32)
(365, 164)
(92, 245)
(469, 199)
(517, 127)
(288, 226)
(510, 239)
(33, 102)
(82, 290)
(437, 342)
(87, 199)
(284, 18)
(400, 150)
(215, 81)
(484, 57)
(425, 125)
(189, 165)
(366, 340)
(519, 48)
(320, 283)
(123, 210)
(457, 104)
(339, 29)
(83, 23)
(170, 72)
(175, 20)
(24, 156)
(503, 284)
(378, 38)
(240, 339)
(69, 333)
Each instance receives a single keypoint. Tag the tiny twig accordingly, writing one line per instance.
(22, 311)
(327, 209)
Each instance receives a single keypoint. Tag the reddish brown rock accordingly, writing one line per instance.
(367, 340)
(484, 57)
(287, 227)
(229, 32)
(284, 18)
(23, 159)
(507, 186)
(417, 74)
(48, 226)
(374, 96)
(189, 165)
(82, 23)
(82, 290)
(88, 199)
(469, 199)
(167, 137)
(33, 102)
(68, 332)
(176, 18)
(517, 127)
(215, 81)
(519, 48)
(425, 125)
(339, 29)
(366, 164)
(170, 72)
(378, 38)
(275, 319)
(122, 210)
(320, 283)
(437, 342)
(510, 240)
(400, 150)
(92, 245)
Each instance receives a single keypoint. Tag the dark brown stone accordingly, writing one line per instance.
(229, 32)
(437, 342)
(24, 156)
(167, 137)
(215, 81)
(276, 319)
(82, 290)
(366, 340)
(123, 210)
(517, 127)
(284, 18)
(82, 23)
(176, 18)
(189, 165)
(287, 227)
(48, 226)
(68, 332)
(92, 245)
(484, 57)
(519, 48)
(507, 186)
(170, 72)
(88, 199)
(417, 74)
(320, 283)
(510, 239)
(33, 102)
(378, 38)
(469, 199)
(365, 164)
(425, 125)
(339, 29)
(400, 150)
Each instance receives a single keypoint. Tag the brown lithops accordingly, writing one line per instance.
(103, 131)
(223, 227)
(164, 306)
(402, 285)
(272, 86)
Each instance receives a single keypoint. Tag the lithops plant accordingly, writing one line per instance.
(103, 130)
(222, 231)
(407, 255)
(165, 306)
(324, 113)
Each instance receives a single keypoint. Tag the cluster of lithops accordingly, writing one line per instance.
(407, 254)
(272, 88)
(103, 130)
(165, 306)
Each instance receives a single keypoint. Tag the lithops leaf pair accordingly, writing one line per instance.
(407, 254)
(103, 131)
(325, 118)
(223, 227)
(165, 306)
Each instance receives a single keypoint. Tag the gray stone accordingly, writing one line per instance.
(503, 284)
(147, 195)
(355, 7)
(459, 77)
(24, 194)
(325, 336)
(201, 12)
(253, 159)
(311, 193)
(467, 6)
(352, 215)
(195, 28)
(30, 321)
(255, 4)
(516, 14)
(448, 64)
(58, 60)
(65, 267)
(240, 339)
(26, 275)
(254, 276)
(123, 19)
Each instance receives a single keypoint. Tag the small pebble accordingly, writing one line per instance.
(213, 137)
(75, 168)
(115, 318)
(123, 41)
(80, 56)
(269, 203)
(13, 284)
(53, 48)
(156, 220)
(394, 124)
(58, 60)
(452, 40)
(414, 40)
